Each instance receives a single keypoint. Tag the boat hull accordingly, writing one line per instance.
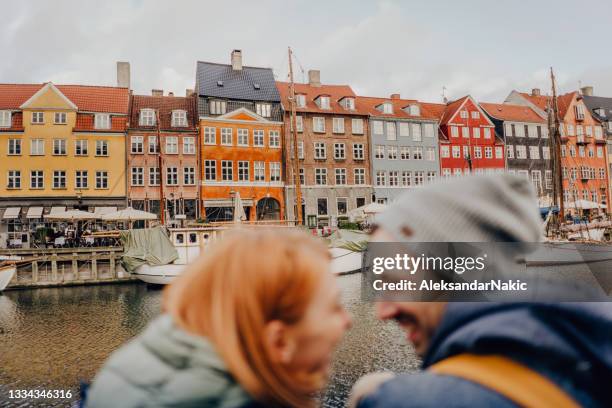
(6, 274)
(159, 274)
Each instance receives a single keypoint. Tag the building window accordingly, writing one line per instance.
(600, 151)
(227, 170)
(320, 176)
(37, 179)
(137, 144)
(392, 152)
(339, 151)
(488, 152)
(59, 147)
(243, 171)
(300, 147)
(387, 108)
(5, 118)
(418, 178)
(179, 118)
(463, 114)
(322, 206)
(137, 176)
(381, 178)
(359, 175)
(393, 178)
(431, 176)
(416, 132)
(476, 133)
(172, 145)
(405, 152)
(60, 118)
(377, 127)
(341, 206)
(275, 172)
(379, 152)
(263, 109)
(545, 152)
(534, 152)
(210, 170)
(358, 151)
(444, 152)
(446, 173)
(340, 176)
(147, 117)
(404, 129)
(510, 151)
(338, 125)
(37, 147)
(521, 152)
(101, 148)
(59, 179)
(243, 137)
(454, 131)
(431, 154)
(475, 115)
(172, 176)
(324, 102)
(357, 126)
(487, 133)
(300, 100)
(320, 151)
(465, 132)
(406, 179)
(499, 152)
(548, 179)
(102, 179)
(274, 138)
(14, 147)
(258, 138)
(80, 148)
(418, 153)
(429, 130)
(102, 121)
(189, 176)
(217, 107)
(210, 135)
(391, 131)
(38, 117)
(536, 179)
(477, 152)
(189, 145)
(14, 179)
(259, 170)
(152, 141)
(318, 124)
(154, 177)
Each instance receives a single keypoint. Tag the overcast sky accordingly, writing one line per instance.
(415, 48)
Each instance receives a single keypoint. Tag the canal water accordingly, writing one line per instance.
(53, 338)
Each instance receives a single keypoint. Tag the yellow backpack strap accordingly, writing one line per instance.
(520, 384)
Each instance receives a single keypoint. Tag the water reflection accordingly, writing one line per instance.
(53, 338)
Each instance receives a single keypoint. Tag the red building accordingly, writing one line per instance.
(468, 142)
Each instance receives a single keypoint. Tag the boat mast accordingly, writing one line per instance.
(162, 216)
(554, 122)
(296, 160)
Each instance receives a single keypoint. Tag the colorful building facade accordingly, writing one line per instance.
(177, 148)
(241, 141)
(333, 151)
(63, 146)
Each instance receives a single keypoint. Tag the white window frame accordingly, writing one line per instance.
(179, 118)
(147, 117)
(102, 121)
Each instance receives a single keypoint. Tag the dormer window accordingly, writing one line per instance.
(414, 110)
(300, 100)
(179, 118)
(324, 102)
(102, 121)
(147, 117)
(348, 103)
(579, 111)
(601, 112)
(217, 107)
(387, 108)
(264, 109)
(5, 118)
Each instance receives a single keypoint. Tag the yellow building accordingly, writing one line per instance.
(62, 146)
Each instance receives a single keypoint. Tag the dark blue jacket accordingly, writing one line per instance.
(569, 343)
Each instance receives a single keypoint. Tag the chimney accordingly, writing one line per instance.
(535, 92)
(587, 90)
(123, 74)
(395, 96)
(170, 93)
(237, 60)
(157, 92)
(314, 77)
(188, 92)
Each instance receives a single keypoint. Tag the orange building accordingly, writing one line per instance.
(240, 123)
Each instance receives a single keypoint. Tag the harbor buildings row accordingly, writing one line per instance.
(98, 148)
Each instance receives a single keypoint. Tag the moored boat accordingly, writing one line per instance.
(6, 275)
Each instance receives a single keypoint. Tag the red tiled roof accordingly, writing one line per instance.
(335, 92)
(16, 123)
(518, 113)
(85, 123)
(369, 104)
(451, 109)
(87, 98)
(165, 105)
(541, 101)
(435, 109)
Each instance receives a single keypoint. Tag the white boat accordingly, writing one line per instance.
(6, 275)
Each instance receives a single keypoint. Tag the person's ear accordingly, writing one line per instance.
(279, 342)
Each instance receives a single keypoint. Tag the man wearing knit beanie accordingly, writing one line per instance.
(482, 353)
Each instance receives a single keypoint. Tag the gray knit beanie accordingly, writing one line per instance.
(478, 208)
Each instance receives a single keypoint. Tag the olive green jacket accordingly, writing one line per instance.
(165, 367)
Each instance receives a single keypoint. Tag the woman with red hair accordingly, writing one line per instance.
(254, 321)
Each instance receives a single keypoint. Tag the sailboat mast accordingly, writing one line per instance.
(296, 159)
(162, 216)
(556, 136)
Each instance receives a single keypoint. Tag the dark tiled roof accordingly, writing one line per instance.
(165, 105)
(596, 102)
(236, 84)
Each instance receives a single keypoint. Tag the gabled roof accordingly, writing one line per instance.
(335, 93)
(452, 108)
(87, 98)
(541, 101)
(369, 104)
(514, 113)
(165, 105)
(236, 84)
(596, 102)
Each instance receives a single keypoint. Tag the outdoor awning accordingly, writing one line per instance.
(57, 210)
(35, 212)
(100, 211)
(246, 202)
(11, 213)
